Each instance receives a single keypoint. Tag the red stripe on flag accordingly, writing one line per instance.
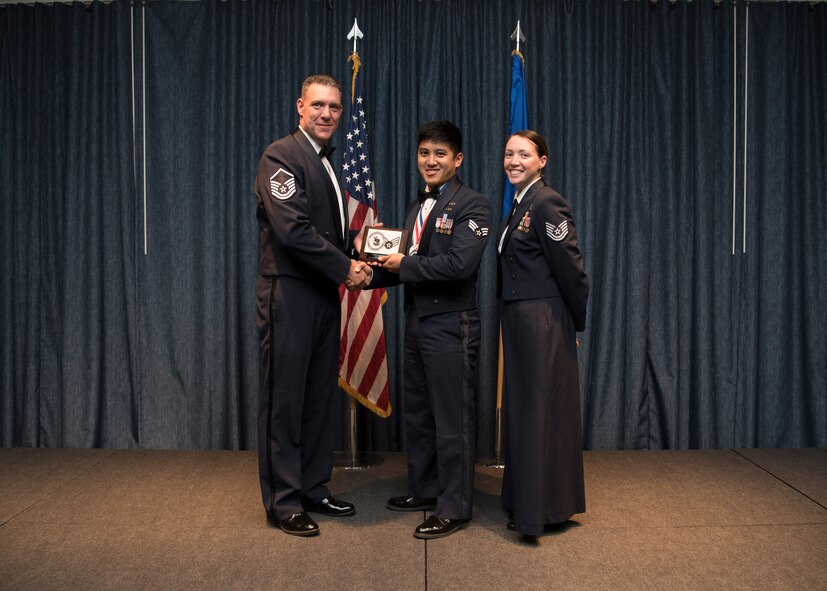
(362, 358)
(359, 215)
(362, 331)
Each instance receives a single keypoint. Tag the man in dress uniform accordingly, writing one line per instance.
(304, 239)
(448, 229)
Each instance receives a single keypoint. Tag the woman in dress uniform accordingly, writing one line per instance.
(543, 289)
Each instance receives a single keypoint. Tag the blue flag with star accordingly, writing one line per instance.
(518, 118)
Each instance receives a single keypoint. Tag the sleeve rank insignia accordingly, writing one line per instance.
(557, 233)
(282, 184)
(478, 232)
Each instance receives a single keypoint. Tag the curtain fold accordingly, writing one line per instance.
(69, 335)
(686, 346)
(782, 379)
(689, 124)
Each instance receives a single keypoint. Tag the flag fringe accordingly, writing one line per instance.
(364, 401)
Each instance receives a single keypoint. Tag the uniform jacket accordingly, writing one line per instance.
(540, 257)
(300, 232)
(442, 276)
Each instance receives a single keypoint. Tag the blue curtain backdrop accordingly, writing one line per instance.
(648, 110)
(70, 361)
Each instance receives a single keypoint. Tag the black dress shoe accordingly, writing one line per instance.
(330, 506)
(410, 504)
(298, 524)
(438, 527)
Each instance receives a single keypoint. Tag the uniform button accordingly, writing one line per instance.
(436, 301)
(513, 275)
(513, 292)
(510, 259)
(326, 234)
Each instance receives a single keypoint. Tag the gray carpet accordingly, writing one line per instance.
(139, 519)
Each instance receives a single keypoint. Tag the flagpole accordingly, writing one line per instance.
(351, 459)
(498, 461)
(518, 120)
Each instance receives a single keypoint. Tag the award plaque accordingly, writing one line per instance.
(381, 241)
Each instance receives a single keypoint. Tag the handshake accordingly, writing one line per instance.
(359, 276)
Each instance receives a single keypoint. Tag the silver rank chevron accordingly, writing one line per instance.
(478, 232)
(282, 184)
(559, 232)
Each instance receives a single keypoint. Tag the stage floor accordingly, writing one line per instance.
(142, 519)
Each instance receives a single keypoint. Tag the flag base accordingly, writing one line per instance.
(497, 463)
(357, 461)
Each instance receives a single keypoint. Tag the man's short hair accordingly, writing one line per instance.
(441, 132)
(323, 79)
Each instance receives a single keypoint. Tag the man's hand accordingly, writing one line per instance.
(359, 276)
(367, 273)
(392, 262)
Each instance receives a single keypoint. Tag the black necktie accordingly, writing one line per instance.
(326, 151)
(424, 195)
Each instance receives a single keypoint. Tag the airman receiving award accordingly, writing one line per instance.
(380, 241)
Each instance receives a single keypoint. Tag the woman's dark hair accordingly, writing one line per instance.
(536, 139)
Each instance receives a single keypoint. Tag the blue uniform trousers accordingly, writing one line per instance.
(440, 376)
(298, 324)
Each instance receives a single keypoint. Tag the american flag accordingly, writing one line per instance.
(363, 362)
